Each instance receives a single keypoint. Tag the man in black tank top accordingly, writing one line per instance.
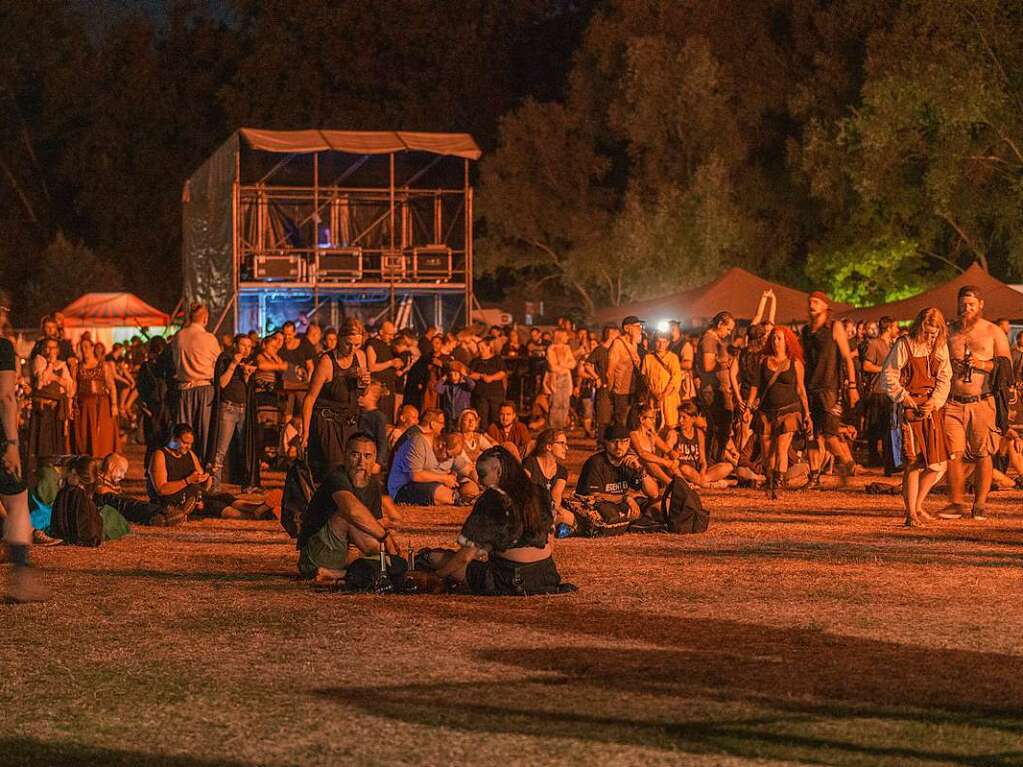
(384, 365)
(827, 350)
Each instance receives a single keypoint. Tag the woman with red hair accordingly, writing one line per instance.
(779, 397)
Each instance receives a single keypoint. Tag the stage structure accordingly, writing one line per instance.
(326, 224)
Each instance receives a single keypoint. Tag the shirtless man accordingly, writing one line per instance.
(970, 431)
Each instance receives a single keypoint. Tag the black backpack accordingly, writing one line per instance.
(682, 510)
(299, 487)
(76, 520)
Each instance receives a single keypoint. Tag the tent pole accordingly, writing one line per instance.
(391, 212)
(223, 314)
(235, 234)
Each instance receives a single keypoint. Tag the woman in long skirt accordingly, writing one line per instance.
(917, 376)
(96, 432)
(52, 386)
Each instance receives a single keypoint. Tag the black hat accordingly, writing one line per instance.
(614, 431)
(632, 319)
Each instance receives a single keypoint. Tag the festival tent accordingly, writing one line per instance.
(736, 291)
(1000, 300)
(112, 317)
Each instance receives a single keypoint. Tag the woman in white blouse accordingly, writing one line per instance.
(917, 376)
(52, 388)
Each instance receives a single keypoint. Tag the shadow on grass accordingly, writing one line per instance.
(847, 552)
(198, 577)
(809, 690)
(28, 752)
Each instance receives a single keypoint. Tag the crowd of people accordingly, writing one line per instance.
(482, 418)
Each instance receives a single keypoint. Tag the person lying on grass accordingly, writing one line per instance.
(348, 517)
(505, 544)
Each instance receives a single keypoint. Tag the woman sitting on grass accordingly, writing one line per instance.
(505, 543)
(690, 450)
(545, 467)
(473, 441)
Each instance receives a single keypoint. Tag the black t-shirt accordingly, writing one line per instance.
(532, 468)
(711, 343)
(298, 356)
(600, 358)
(599, 475)
(384, 353)
(488, 389)
(236, 390)
(322, 505)
(8, 359)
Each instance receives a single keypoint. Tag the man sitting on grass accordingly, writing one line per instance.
(416, 477)
(348, 516)
(509, 432)
(616, 475)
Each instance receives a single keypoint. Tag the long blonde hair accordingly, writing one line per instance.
(930, 314)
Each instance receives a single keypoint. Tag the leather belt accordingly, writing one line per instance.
(969, 400)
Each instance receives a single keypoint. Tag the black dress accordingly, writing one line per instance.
(492, 527)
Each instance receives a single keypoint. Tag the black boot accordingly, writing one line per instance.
(772, 482)
(813, 481)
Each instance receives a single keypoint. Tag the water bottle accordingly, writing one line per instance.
(968, 363)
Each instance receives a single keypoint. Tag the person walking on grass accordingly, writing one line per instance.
(826, 346)
(916, 376)
(23, 584)
(971, 432)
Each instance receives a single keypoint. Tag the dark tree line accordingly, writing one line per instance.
(104, 119)
(632, 146)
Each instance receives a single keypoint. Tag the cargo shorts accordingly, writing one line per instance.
(970, 430)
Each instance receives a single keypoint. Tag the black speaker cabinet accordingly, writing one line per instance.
(431, 263)
(277, 266)
(339, 265)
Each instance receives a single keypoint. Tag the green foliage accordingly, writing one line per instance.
(64, 271)
(867, 274)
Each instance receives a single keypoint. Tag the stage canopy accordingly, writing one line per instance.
(736, 291)
(361, 142)
(110, 310)
(299, 161)
(999, 299)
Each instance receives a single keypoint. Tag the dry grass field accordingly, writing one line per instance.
(812, 630)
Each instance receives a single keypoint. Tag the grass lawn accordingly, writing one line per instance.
(812, 630)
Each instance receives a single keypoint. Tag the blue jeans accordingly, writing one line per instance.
(232, 421)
